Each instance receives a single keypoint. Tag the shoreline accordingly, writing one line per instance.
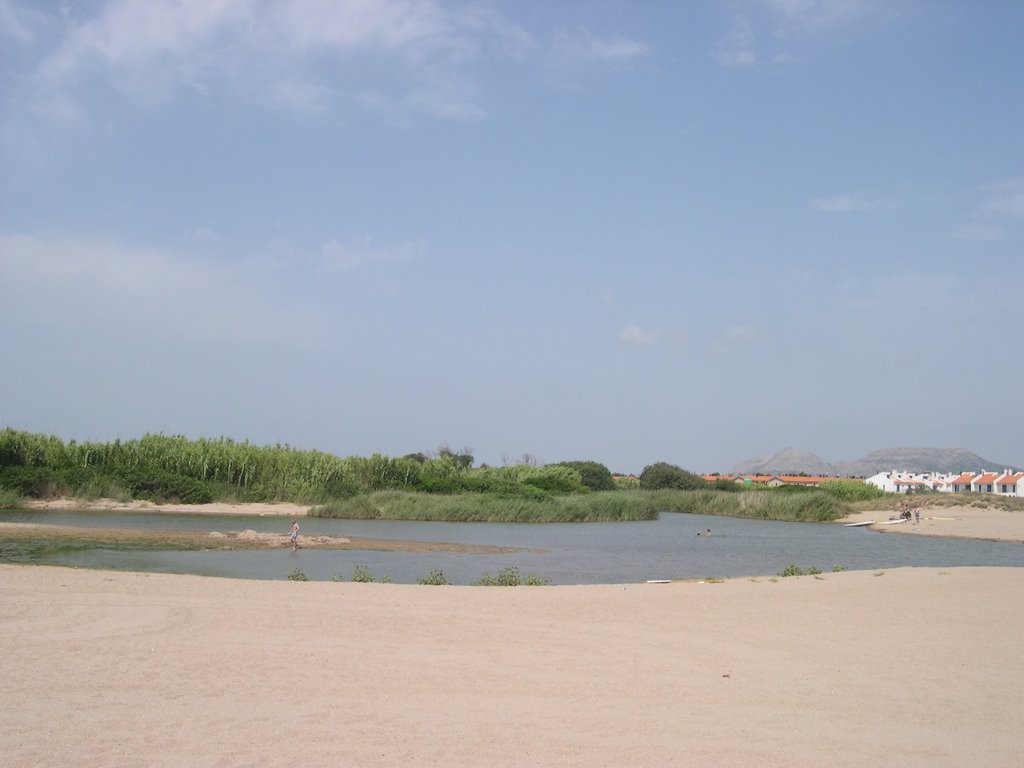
(277, 508)
(962, 522)
(910, 666)
(232, 540)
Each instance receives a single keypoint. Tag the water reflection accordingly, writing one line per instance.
(563, 553)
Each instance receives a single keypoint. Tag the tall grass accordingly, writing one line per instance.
(10, 499)
(593, 507)
(469, 507)
(817, 507)
(246, 472)
(444, 487)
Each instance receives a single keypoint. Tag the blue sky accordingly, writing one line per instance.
(693, 232)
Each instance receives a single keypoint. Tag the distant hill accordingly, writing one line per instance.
(788, 461)
(792, 461)
(919, 460)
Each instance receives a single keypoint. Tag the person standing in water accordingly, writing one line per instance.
(295, 535)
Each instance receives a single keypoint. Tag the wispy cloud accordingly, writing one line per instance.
(618, 48)
(270, 47)
(19, 23)
(362, 251)
(454, 99)
(300, 97)
(634, 334)
(581, 46)
(740, 332)
(735, 336)
(736, 47)
(1001, 207)
(76, 284)
(1006, 198)
(842, 204)
(645, 337)
(816, 15)
(758, 27)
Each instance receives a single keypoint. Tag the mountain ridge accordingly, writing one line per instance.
(792, 461)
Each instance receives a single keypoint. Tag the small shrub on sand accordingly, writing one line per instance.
(361, 574)
(509, 577)
(297, 575)
(9, 499)
(792, 570)
(435, 578)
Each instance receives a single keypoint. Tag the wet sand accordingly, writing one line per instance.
(960, 521)
(229, 540)
(280, 509)
(907, 667)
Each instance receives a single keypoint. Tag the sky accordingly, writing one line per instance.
(694, 232)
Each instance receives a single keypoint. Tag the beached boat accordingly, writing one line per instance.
(858, 525)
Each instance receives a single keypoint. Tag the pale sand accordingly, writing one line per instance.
(913, 667)
(227, 540)
(282, 509)
(964, 522)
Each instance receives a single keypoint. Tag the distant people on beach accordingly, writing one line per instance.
(295, 535)
(917, 515)
(905, 513)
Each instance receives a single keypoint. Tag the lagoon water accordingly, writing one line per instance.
(590, 553)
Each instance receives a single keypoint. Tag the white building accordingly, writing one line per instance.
(1006, 483)
(1010, 484)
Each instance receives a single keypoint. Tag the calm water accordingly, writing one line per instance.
(563, 553)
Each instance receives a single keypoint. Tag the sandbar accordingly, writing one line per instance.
(230, 540)
(962, 521)
(278, 508)
(904, 667)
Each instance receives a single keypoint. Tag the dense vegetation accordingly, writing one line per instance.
(194, 471)
(464, 507)
(441, 486)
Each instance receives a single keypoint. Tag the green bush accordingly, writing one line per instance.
(729, 486)
(10, 499)
(852, 490)
(158, 485)
(509, 577)
(33, 482)
(662, 475)
(435, 578)
(297, 575)
(361, 574)
(792, 570)
(472, 507)
(593, 474)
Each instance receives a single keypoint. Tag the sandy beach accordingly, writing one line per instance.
(279, 508)
(907, 667)
(963, 521)
(231, 540)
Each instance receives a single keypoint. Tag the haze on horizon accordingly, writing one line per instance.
(628, 232)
